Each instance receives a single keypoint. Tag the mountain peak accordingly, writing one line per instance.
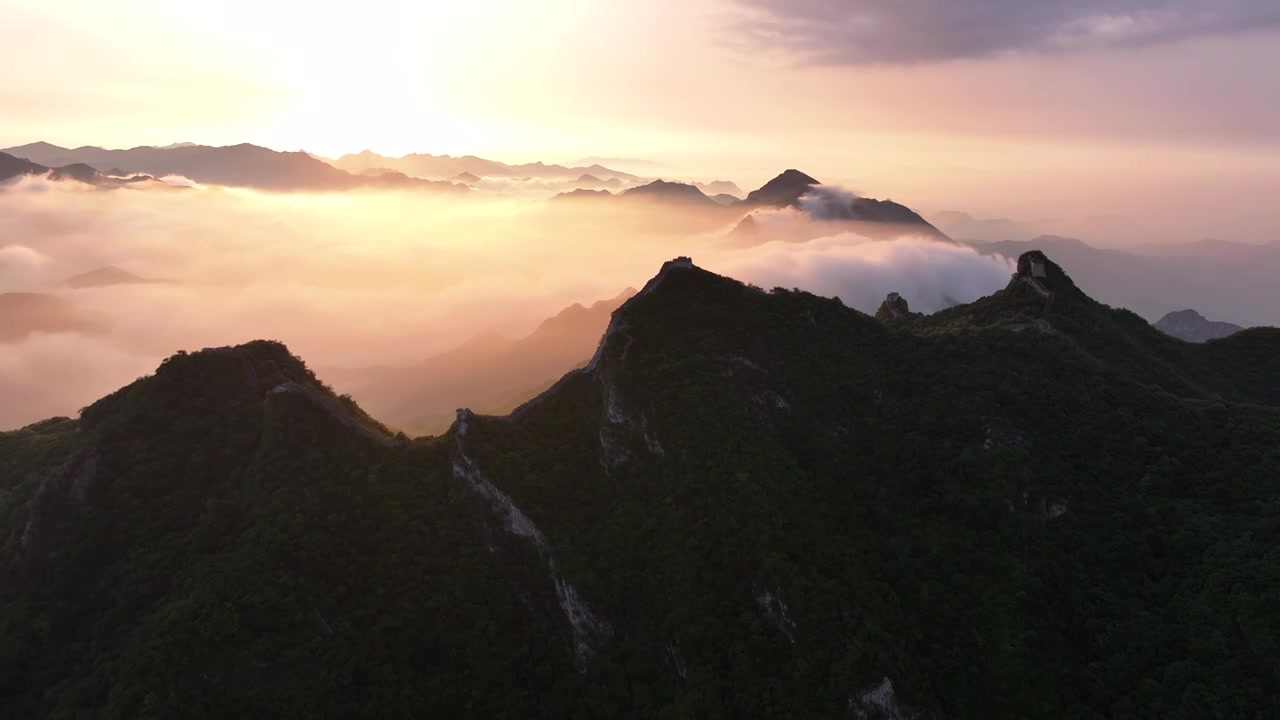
(1035, 268)
(226, 382)
(791, 175)
(664, 190)
(1191, 326)
(215, 375)
(676, 265)
(894, 306)
(38, 147)
(784, 190)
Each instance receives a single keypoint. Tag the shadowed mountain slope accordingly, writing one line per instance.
(747, 504)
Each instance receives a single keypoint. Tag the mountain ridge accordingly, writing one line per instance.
(740, 485)
(492, 373)
(241, 165)
(823, 212)
(12, 167)
(443, 166)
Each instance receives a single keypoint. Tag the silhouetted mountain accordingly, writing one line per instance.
(105, 277)
(27, 313)
(443, 166)
(1191, 326)
(726, 200)
(720, 187)
(12, 167)
(593, 182)
(241, 165)
(634, 164)
(824, 213)
(747, 504)
(663, 191)
(582, 194)
(963, 226)
(465, 178)
(488, 371)
(1234, 280)
(784, 190)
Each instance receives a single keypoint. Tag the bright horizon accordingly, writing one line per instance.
(997, 113)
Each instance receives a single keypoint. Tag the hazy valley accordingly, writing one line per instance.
(519, 474)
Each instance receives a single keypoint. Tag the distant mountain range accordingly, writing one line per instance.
(696, 206)
(638, 164)
(821, 211)
(1191, 326)
(12, 167)
(673, 192)
(446, 166)
(1221, 279)
(107, 277)
(593, 182)
(488, 371)
(241, 165)
(963, 226)
(261, 168)
(720, 187)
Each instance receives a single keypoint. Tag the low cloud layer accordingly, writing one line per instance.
(345, 280)
(929, 274)
(870, 32)
(362, 278)
(827, 202)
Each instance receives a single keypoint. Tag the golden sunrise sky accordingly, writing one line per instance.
(1024, 107)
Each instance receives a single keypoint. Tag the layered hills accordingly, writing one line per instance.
(746, 504)
(242, 165)
(442, 166)
(12, 167)
(488, 372)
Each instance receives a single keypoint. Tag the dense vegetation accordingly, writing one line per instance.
(757, 503)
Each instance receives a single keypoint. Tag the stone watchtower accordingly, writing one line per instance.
(1031, 270)
(894, 306)
(1032, 265)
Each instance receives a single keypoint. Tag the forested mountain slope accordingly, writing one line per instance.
(749, 504)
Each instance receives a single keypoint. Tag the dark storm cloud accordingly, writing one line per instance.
(867, 32)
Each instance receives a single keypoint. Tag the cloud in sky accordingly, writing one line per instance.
(871, 32)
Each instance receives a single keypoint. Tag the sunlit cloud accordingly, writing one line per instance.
(861, 272)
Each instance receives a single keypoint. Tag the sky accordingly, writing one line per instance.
(1166, 109)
